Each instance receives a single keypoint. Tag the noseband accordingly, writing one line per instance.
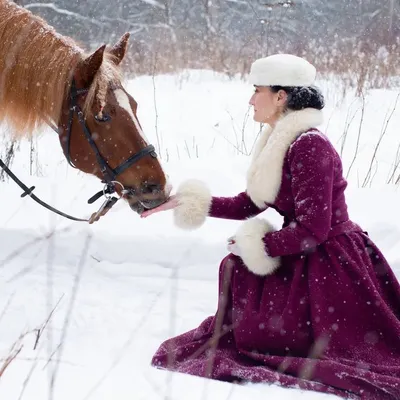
(109, 174)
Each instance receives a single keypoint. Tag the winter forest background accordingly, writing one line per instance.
(354, 44)
(357, 39)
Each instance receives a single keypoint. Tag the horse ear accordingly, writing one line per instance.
(119, 49)
(89, 67)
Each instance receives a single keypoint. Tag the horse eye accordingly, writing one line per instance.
(103, 118)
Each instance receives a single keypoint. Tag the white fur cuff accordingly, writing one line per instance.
(194, 200)
(251, 246)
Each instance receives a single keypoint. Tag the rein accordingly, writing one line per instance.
(28, 191)
(109, 174)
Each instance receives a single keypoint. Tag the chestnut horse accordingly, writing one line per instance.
(46, 78)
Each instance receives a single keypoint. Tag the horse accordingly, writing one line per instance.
(47, 79)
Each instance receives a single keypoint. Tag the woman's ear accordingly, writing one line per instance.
(281, 97)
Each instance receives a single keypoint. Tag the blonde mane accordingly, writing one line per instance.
(36, 69)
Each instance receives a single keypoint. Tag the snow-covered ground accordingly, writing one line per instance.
(116, 289)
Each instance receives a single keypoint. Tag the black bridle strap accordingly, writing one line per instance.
(109, 173)
(134, 158)
(28, 191)
(106, 170)
(67, 151)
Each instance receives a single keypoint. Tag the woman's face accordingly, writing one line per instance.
(267, 105)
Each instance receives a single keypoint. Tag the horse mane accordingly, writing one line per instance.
(36, 70)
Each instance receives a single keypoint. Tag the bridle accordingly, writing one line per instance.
(109, 174)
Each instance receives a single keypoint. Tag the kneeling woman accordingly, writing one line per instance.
(314, 304)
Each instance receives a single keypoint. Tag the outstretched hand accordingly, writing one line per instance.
(233, 247)
(171, 203)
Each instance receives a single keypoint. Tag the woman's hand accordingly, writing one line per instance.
(232, 246)
(170, 204)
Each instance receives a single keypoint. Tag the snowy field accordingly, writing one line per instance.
(116, 289)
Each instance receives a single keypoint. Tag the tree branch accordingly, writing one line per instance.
(287, 3)
(63, 11)
(154, 3)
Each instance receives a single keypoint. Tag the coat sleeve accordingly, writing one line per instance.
(238, 207)
(195, 204)
(312, 170)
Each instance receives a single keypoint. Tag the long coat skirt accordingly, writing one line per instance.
(328, 319)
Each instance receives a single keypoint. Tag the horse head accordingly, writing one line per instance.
(101, 134)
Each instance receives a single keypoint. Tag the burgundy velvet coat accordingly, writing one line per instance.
(323, 310)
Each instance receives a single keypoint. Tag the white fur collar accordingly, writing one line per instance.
(264, 175)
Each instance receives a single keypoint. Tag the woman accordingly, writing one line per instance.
(314, 304)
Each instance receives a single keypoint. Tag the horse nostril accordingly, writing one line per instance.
(151, 188)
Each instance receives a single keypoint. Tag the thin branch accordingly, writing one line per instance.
(346, 130)
(31, 243)
(253, 9)
(242, 2)
(14, 351)
(396, 165)
(380, 140)
(358, 137)
(78, 276)
(284, 4)
(3, 313)
(155, 103)
(29, 268)
(229, 142)
(63, 11)
(40, 330)
(9, 360)
(123, 351)
(154, 3)
(29, 375)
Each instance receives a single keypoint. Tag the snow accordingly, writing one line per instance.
(116, 289)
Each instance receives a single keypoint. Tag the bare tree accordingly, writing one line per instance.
(227, 34)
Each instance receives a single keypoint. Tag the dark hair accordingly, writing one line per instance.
(300, 97)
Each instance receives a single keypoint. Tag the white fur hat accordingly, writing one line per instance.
(282, 70)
